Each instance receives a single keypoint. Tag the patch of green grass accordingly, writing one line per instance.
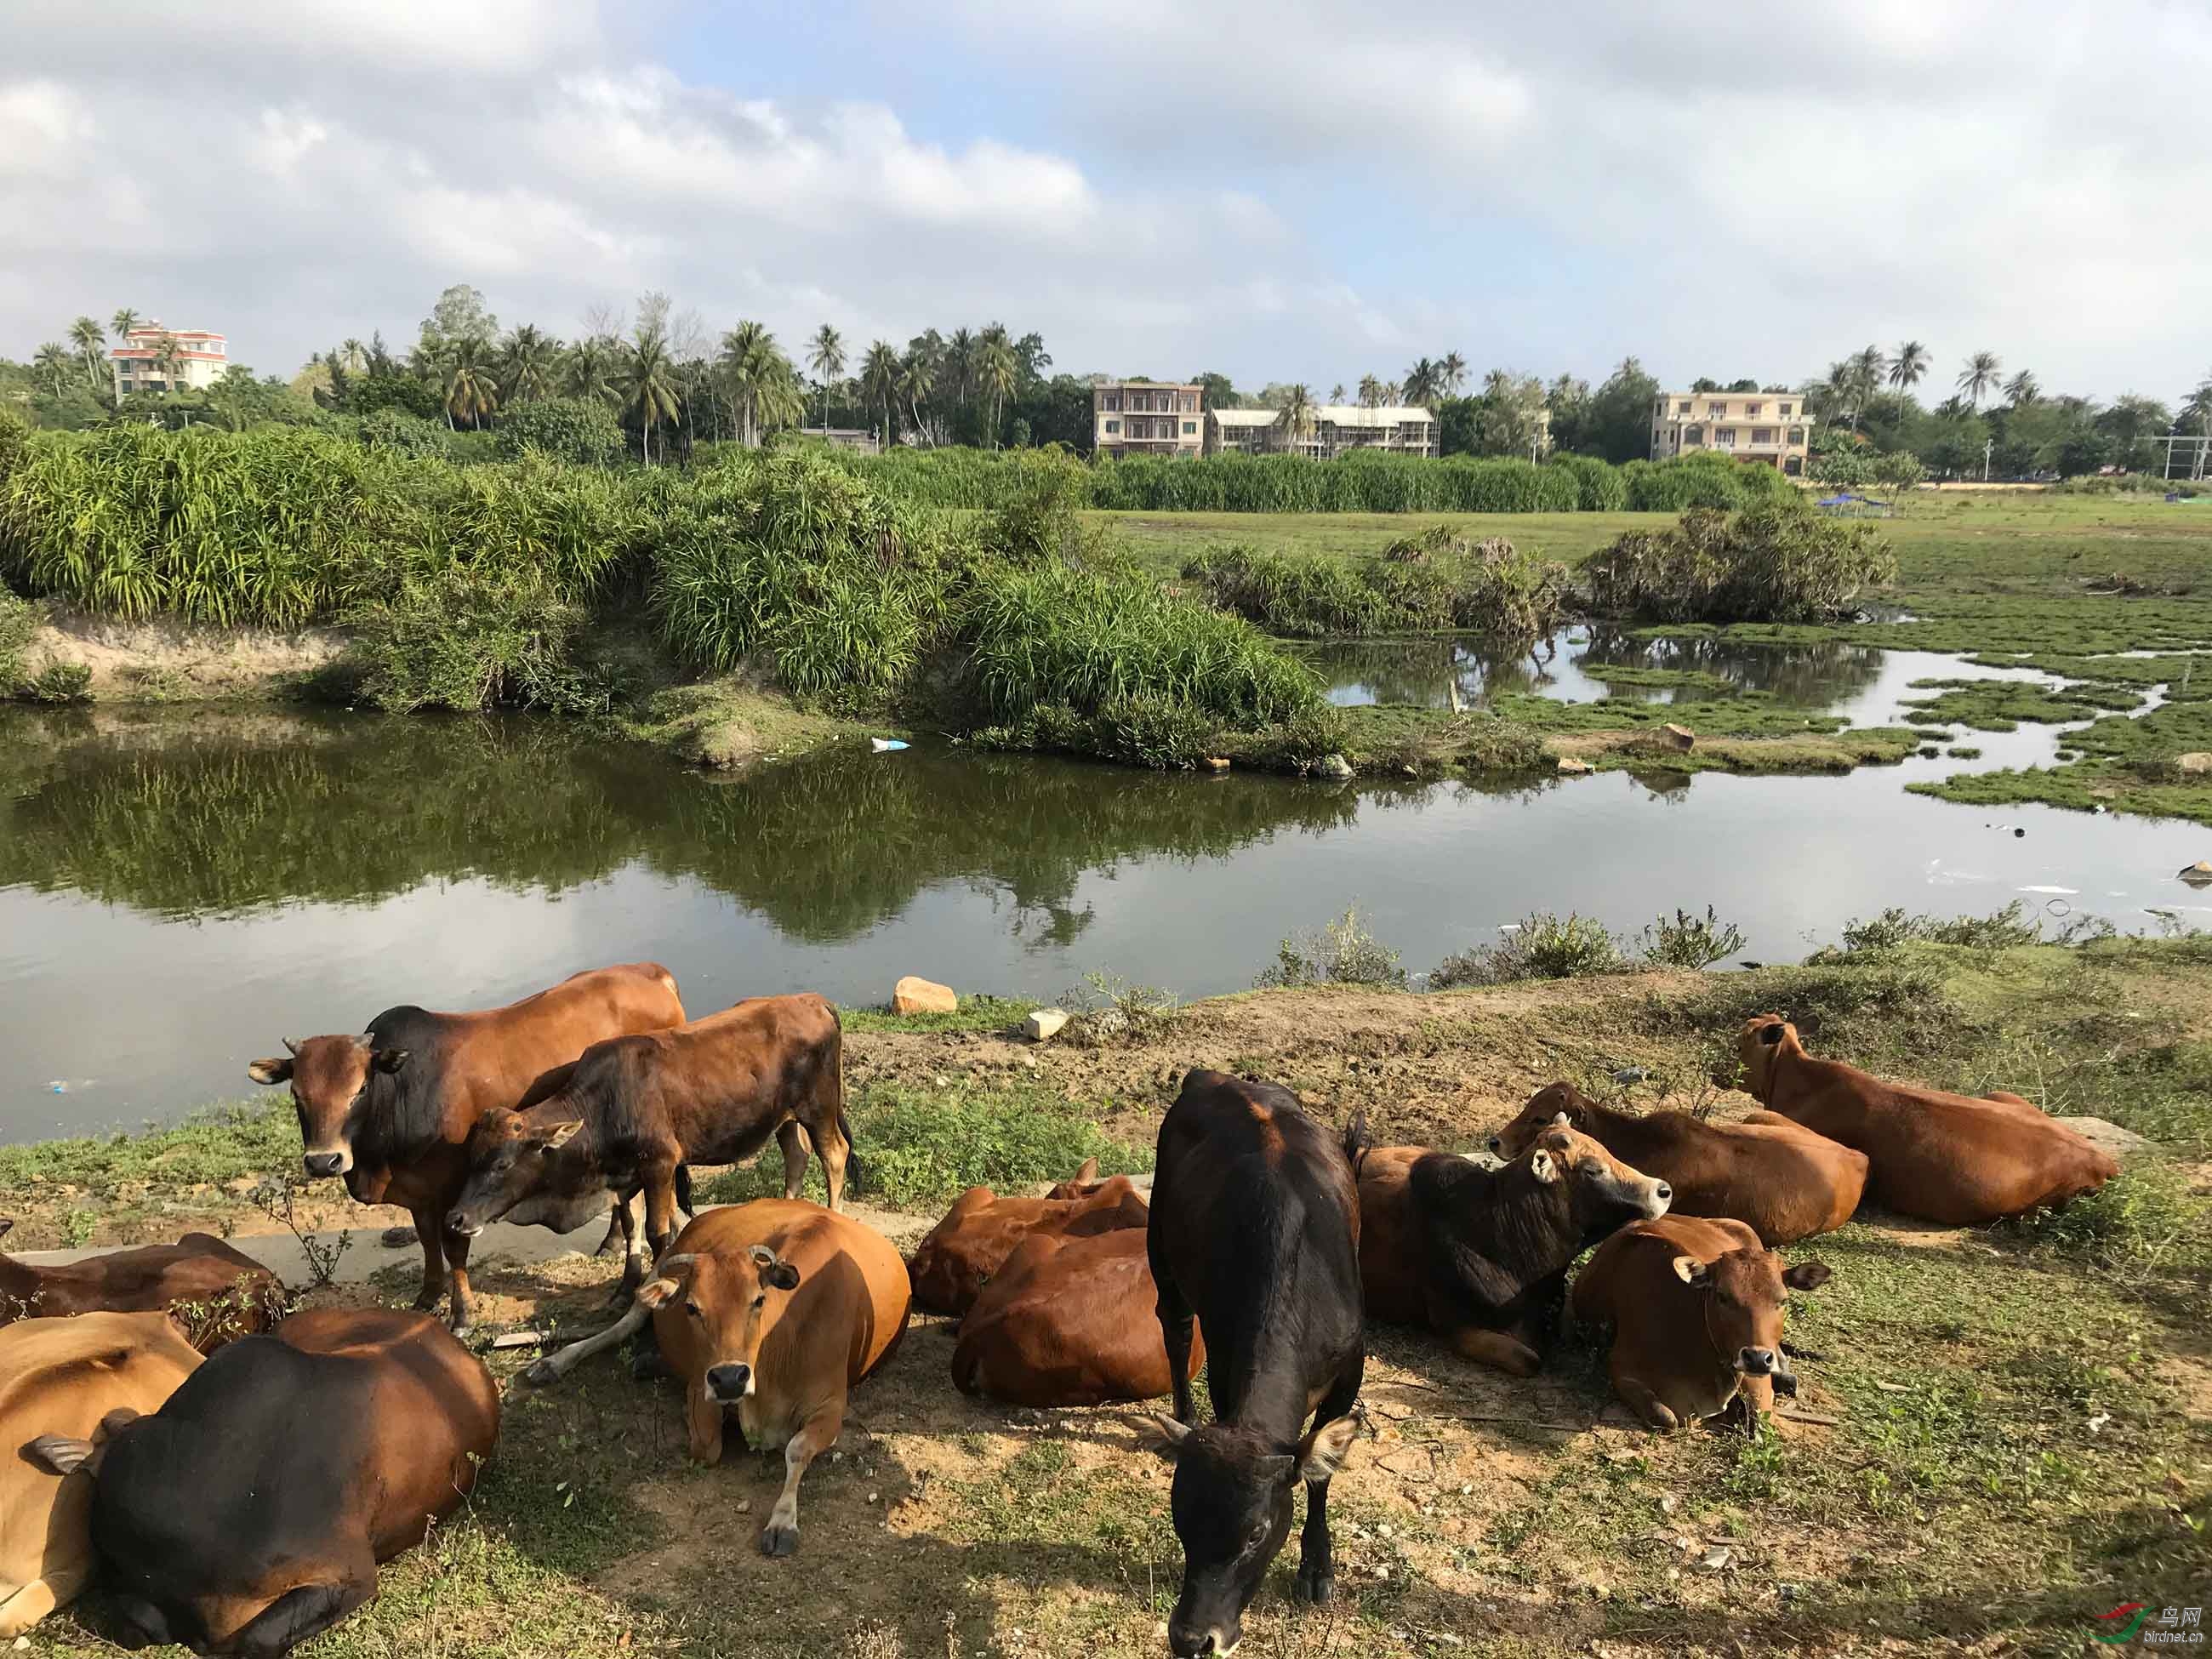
(922, 1147)
(2000, 705)
(216, 1144)
(2142, 1219)
(977, 1012)
(1641, 676)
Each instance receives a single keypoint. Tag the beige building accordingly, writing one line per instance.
(1244, 431)
(1147, 417)
(200, 359)
(1770, 428)
(1337, 429)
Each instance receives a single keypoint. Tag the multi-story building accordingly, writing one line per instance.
(1770, 428)
(199, 360)
(1147, 417)
(1336, 430)
(1246, 431)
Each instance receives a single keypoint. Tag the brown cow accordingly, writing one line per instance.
(1481, 1256)
(633, 1110)
(391, 1110)
(964, 1251)
(1696, 1309)
(1787, 1182)
(1939, 1157)
(775, 1309)
(250, 1512)
(1069, 1320)
(64, 1376)
(218, 1292)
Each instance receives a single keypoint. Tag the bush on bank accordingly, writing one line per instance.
(1775, 561)
(1435, 581)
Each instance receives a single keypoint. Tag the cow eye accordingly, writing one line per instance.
(761, 1301)
(695, 1310)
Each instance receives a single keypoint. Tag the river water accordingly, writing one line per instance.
(178, 894)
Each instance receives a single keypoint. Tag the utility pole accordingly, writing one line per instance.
(1989, 447)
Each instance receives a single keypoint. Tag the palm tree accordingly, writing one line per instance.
(1908, 365)
(1390, 394)
(1421, 382)
(1296, 417)
(1370, 392)
(2021, 390)
(588, 372)
(87, 336)
(648, 382)
(1453, 369)
(825, 355)
(997, 371)
(52, 364)
(1336, 393)
(527, 366)
(879, 383)
(169, 354)
(960, 364)
(748, 364)
(917, 380)
(122, 323)
(1978, 376)
(353, 356)
(470, 392)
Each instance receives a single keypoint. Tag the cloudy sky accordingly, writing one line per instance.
(1276, 189)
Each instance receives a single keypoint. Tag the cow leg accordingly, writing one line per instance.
(35, 1601)
(457, 1264)
(430, 1228)
(1645, 1404)
(298, 1613)
(555, 1366)
(791, 1136)
(829, 1145)
(815, 1437)
(620, 1226)
(659, 1208)
(1496, 1350)
(1316, 1577)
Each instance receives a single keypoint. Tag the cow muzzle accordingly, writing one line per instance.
(458, 1226)
(321, 1165)
(1654, 1198)
(1202, 1644)
(727, 1384)
(1767, 1363)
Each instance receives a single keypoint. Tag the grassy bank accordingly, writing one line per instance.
(2006, 1431)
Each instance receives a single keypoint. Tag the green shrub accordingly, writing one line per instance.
(1309, 598)
(59, 682)
(19, 621)
(580, 430)
(1897, 926)
(1688, 940)
(471, 637)
(2142, 1219)
(1152, 731)
(1599, 486)
(1777, 561)
(1109, 1008)
(1342, 952)
(1430, 582)
(1544, 946)
(394, 430)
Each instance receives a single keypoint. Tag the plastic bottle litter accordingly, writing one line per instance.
(886, 745)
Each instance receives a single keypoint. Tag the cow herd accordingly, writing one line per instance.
(234, 1484)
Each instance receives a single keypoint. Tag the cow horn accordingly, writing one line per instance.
(763, 1256)
(291, 1048)
(1562, 1121)
(676, 1264)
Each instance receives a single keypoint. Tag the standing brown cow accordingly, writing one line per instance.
(1937, 1156)
(218, 1292)
(391, 1110)
(965, 1251)
(1777, 1175)
(1069, 1322)
(1696, 1309)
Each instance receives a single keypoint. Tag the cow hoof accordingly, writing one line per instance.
(394, 1237)
(1312, 1588)
(540, 1372)
(779, 1541)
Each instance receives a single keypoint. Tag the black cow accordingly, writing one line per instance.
(1255, 1230)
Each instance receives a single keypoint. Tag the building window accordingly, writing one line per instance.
(1113, 426)
(1682, 408)
(1189, 427)
(1718, 411)
(1725, 437)
(1783, 409)
(1751, 411)
(1796, 434)
(1694, 436)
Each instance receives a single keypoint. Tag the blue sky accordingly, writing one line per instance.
(1278, 189)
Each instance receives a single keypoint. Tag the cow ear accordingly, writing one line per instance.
(272, 1070)
(1771, 1036)
(1088, 1173)
(1561, 1120)
(1278, 1471)
(1158, 1432)
(1321, 1453)
(7, 1225)
(391, 1059)
(59, 1455)
(1806, 1276)
(654, 1293)
(559, 1135)
(1542, 1166)
(1692, 1272)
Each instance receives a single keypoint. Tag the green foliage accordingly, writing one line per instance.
(1778, 562)
(394, 429)
(1686, 939)
(576, 429)
(1543, 946)
(1342, 952)
(1110, 1008)
(471, 637)
(2142, 1219)
(58, 682)
(1435, 581)
(1897, 926)
(19, 621)
(1705, 479)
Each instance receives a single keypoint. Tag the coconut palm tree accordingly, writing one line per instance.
(1392, 397)
(1422, 381)
(959, 373)
(997, 371)
(52, 364)
(1978, 376)
(123, 322)
(2021, 391)
(1453, 369)
(1908, 365)
(918, 373)
(471, 392)
(169, 352)
(825, 355)
(588, 370)
(1370, 392)
(1296, 417)
(647, 382)
(748, 365)
(528, 365)
(879, 384)
(353, 356)
(87, 336)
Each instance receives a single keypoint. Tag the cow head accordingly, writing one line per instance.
(1560, 1104)
(1743, 1293)
(731, 1298)
(1602, 1193)
(1232, 1505)
(331, 1079)
(59, 1454)
(1765, 1036)
(512, 1157)
(1082, 1184)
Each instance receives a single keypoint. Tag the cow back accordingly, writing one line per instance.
(219, 1292)
(1070, 1320)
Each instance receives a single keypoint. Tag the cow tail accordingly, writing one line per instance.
(855, 1176)
(684, 1189)
(1358, 1143)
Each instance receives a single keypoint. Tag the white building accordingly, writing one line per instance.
(145, 362)
(1770, 428)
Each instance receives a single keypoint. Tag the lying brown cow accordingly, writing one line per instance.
(1777, 1177)
(64, 1376)
(250, 1512)
(773, 1309)
(1481, 1256)
(1695, 1310)
(391, 1110)
(1940, 1157)
(965, 1250)
(1069, 1320)
(218, 1292)
(633, 1111)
